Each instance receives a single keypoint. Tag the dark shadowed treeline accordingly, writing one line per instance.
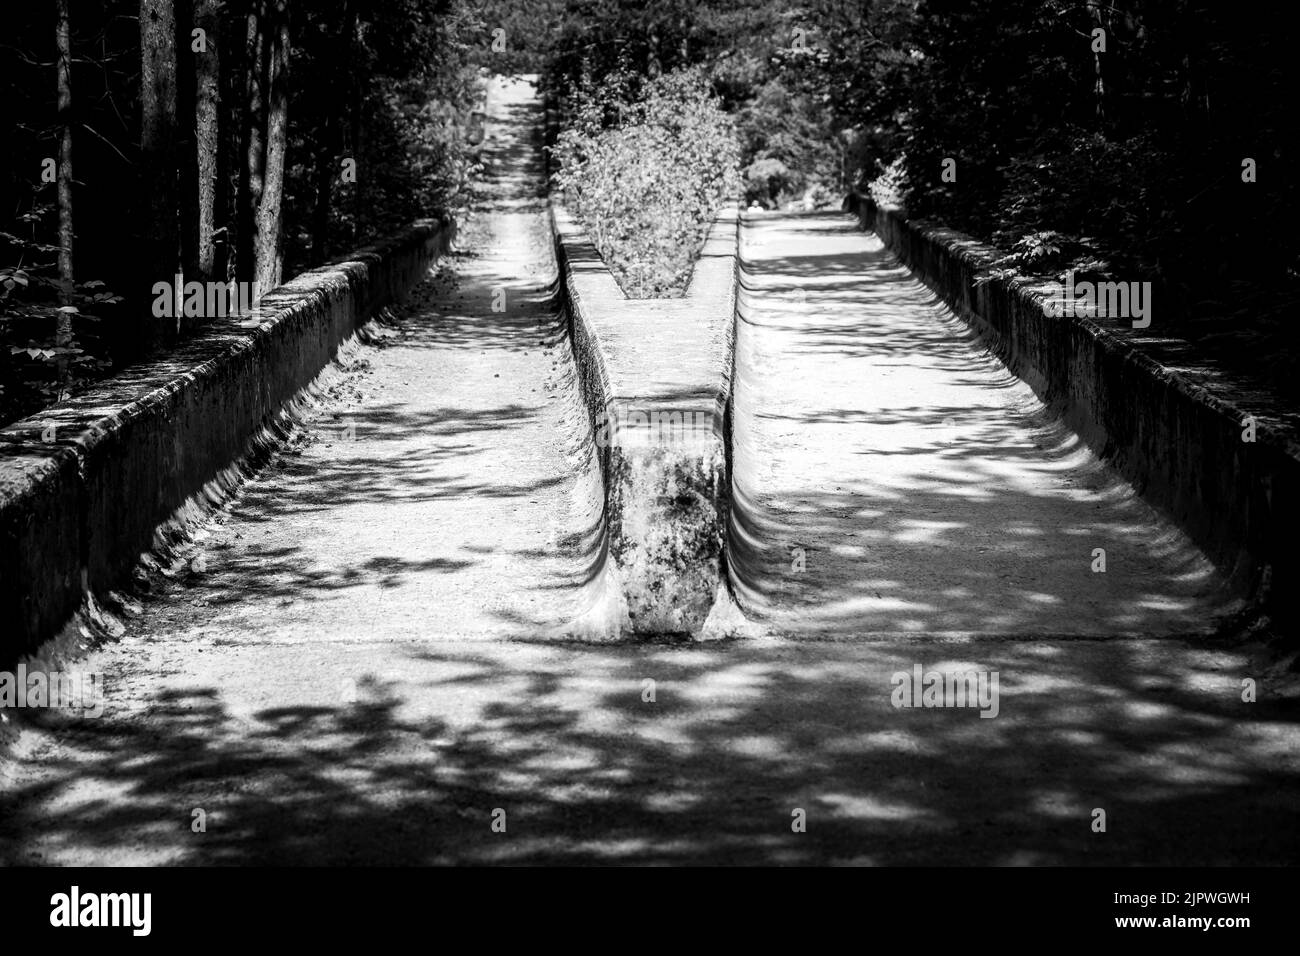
(213, 140)
(1144, 140)
(1141, 140)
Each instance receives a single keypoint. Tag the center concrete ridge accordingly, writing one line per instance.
(656, 378)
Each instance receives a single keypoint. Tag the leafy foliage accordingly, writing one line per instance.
(389, 84)
(1130, 158)
(647, 174)
(400, 110)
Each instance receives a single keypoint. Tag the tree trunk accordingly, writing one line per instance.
(269, 252)
(158, 146)
(231, 166)
(250, 165)
(358, 102)
(187, 142)
(207, 126)
(200, 98)
(1099, 84)
(261, 244)
(63, 335)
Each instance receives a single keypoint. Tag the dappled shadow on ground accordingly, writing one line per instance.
(513, 178)
(447, 483)
(278, 541)
(401, 752)
(889, 475)
(586, 769)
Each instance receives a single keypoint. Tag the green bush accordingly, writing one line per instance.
(646, 172)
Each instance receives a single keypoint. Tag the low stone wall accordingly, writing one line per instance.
(655, 376)
(1170, 421)
(85, 485)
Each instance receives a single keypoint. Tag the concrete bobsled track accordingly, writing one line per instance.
(891, 476)
(397, 633)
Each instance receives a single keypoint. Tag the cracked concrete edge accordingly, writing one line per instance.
(118, 474)
(666, 502)
(1154, 407)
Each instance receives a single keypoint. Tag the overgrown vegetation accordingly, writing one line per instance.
(1115, 138)
(1102, 136)
(276, 138)
(772, 82)
(647, 166)
(1107, 137)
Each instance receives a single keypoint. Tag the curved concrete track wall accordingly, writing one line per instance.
(85, 485)
(891, 476)
(1170, 422)
(656, 379)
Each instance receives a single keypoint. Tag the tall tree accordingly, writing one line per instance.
(261, 254)
(158, 144)
(359, 58)
(207, 108)
(1097, 42)
(63, 338)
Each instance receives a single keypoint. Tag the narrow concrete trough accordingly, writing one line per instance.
(1178, 428)
(87, 486)
(656, 378)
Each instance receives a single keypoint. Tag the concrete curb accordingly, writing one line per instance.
(86, 485)
(655, 376)
(742, 533)
(1164, 415)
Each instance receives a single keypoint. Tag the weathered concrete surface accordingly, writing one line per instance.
(234, 692)
(890, 476)
(656, 377)
(165, 437)
(738, 736)
(449, 488)
(40, 542)
(1157, 409)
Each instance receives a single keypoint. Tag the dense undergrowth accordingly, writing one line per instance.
(646, 166)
